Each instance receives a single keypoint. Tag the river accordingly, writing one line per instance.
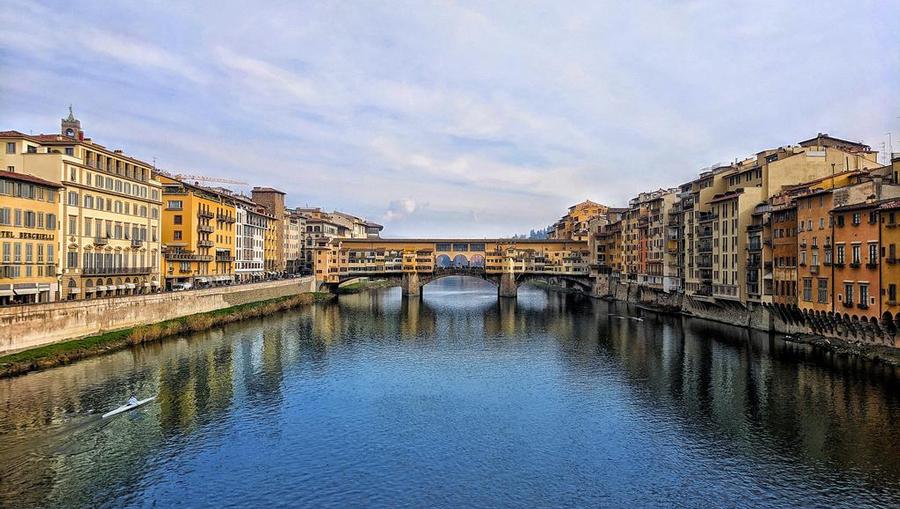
(457, 399)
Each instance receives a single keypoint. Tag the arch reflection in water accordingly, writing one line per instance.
(508, 400)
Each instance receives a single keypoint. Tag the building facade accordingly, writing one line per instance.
(198, 235)
(28, 238)
(109, 211)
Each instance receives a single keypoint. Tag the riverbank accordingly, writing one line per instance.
(873, 352)
(65, 352)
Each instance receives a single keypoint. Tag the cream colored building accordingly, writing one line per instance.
(109, 211)
(294, 227)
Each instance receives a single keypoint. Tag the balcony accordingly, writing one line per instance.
(116, 271)
(101, 241)
(224, 258)
(814, 269)
(204, 228)
(848, 304)
(872, 264)
(225, 217)
(135, 243)
(186, 256)
(205, 243)
(854, 265)
(862, 305)
(204, 214)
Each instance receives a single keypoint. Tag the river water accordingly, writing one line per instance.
(457, 399)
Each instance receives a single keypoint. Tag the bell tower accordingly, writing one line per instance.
(71, 126)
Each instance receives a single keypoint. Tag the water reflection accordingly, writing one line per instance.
(692, 408)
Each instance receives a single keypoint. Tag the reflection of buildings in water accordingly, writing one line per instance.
(197, 383)
(763, 393)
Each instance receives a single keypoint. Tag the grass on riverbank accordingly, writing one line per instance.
(361, 286)
(57, 354)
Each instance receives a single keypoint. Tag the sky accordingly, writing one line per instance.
(474, 119)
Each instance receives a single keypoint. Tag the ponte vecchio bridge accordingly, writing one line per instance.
(416, 262)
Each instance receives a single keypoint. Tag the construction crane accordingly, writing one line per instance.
(203, 178)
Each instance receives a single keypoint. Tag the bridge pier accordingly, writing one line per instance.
(507, 286)
(410, 284)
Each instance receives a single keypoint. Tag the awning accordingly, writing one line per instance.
(201, 280)
(100, 288)
(120, 287)
(154, 283)
(130, 286)
(26, 291)
(74, 290)
(147, 285)
(88, 289)
(6, 293)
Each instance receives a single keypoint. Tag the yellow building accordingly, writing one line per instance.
(109, 229)
(273, 249)
(574, 225)
(28, 230)
(198, 235)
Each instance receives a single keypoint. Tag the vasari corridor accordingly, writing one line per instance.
(454, 254)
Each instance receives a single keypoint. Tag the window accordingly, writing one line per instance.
(873, 253)
(72, 260)
(73, 225)
(177, 219)
(892, 292)
(70, 151)
(176, 234)
(863, 295)
(848, 293)
(823, 291)
(10, 147)
(807, 289)
(856, 219)
(856, 251)
(73, 199)
(174, 204)
(840, 220)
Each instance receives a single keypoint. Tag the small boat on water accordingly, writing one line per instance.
(127, 407)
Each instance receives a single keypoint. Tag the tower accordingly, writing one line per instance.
(71, 126)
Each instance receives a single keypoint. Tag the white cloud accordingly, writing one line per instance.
(497, 117)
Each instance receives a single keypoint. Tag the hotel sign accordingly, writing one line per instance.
(6, 234)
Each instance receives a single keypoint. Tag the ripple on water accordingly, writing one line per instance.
(457, 399)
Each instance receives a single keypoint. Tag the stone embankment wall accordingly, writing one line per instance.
(35, 325)
(769, 318)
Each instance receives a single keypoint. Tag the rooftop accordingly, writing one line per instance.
(24, 177)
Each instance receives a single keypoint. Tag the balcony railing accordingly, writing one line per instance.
(101, 241)
(205, 243)
(225, 217)
(137, 243)
(116, 271)
(205, 214)
(204, 228)
(221, 258)
(184, 256)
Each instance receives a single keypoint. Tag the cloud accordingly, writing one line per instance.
(399, 210)
(494, 116)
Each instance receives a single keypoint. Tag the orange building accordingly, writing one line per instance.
(785, 254)
(814, 233)
(890, 264)
(857, 280)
